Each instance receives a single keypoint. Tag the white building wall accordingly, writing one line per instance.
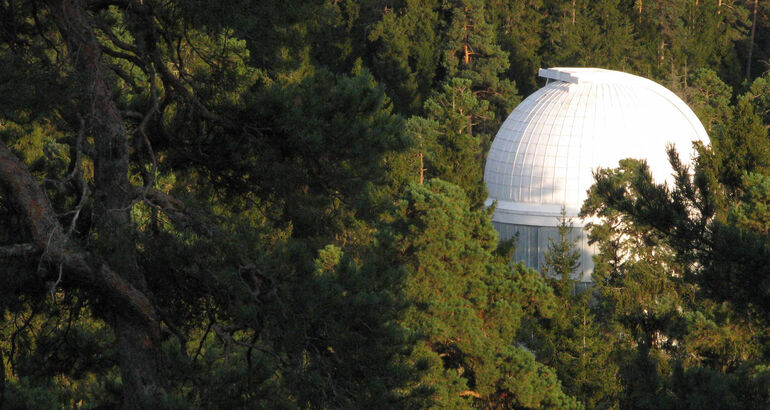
(533, 241)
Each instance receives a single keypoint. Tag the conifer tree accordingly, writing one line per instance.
(472, 53)
(184, 196)
(562, 259)
(741, 146)
(211, 205)
(465, 306)
(710, 99)
(681, 275)
(451, 138)
(590, 34)
(758, 95)
(519, 29)
(571, 340)
(679, 37)
(407, 52)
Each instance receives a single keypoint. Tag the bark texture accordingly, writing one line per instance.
(138, 340)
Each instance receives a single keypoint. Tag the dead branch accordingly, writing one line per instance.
(180, 215)
(124, 56)
(226, 335)
(19, 249)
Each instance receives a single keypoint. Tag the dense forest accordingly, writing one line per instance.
(279, 204)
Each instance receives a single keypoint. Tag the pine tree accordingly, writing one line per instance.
(679, 37)
(174, 216)
(710, 99)
(466, 306)
(407, 52)
(679, 280)
(572, 340)
(741, 146)
(758, 95)
(450, 137)
(519, 28)
(562, 259)
(472, 53)
(590, 34)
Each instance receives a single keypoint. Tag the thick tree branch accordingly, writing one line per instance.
(179, 214)
(107, 30)
(471, 393)
(19, 249)
(48, 238)
(108, 283)
(116, 268)
(125, 56)
(29, 199)
(98, 5)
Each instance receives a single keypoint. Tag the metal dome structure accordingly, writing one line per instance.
(544, 155)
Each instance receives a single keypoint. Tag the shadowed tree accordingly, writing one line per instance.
(166, 209)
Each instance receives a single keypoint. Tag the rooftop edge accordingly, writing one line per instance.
(577, 75)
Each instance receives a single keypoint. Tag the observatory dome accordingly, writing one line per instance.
(544, 154)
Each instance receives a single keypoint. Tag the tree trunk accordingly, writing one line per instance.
(422, 168)
(573, 12)
(2, 380)
(137, 340)
(661, 54)
(751, 39)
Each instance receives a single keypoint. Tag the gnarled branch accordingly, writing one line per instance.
(19, 249)
(180, 215)
(48, 238)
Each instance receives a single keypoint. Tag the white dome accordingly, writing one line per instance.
(584, 118)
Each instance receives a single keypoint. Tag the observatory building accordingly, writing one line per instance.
(543, 157)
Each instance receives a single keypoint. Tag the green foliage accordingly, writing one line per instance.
(472, 53)
(752, 212)
(57, 337)
(668, 289)
(591, 34)
(520, 31)
(741, 147)
(572, 340)
(465, 307)
(745, 389)
(679, 37)
(562, 258)
(450, 139)
(407, 54)
(300, 265)
(711, 100)
(758, 96)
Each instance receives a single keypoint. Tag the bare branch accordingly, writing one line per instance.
(19, 249)
(180, 215)
(125, 56)
(47, 236)
(128, 79)
(227, 336)
(98, 5)
(107, 30)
